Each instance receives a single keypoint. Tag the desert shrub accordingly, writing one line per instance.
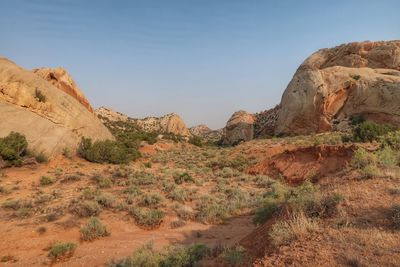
(266, 211)
(41, 157)
(12, 148)
(150, 200)
(184, 212)
(147, 218)
(177, 194)
(132, 190)
(104, 182)
(210, 210)
(23, 212)
(93, 229)
(146, 256)
(88, 193)
(195, 140)
(370, 131)
(394, 216)
(263, 181)
(39, 95)
(142, 178)
(46, 180)
(184, 256)
(362, 158)
(85, 208)
(105, 200)
(283, 232)
(62, 250)
(181, 178)
(392, 139)
(234, 256)
(106, 151)
(387, 157)
(66, 152)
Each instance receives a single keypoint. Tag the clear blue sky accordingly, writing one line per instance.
(203, 59)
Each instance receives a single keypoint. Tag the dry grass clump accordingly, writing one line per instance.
(147, 218)
(85, 208)
(62, 250)
(283, 232)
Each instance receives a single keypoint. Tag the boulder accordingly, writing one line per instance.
(50, 118)
(240, 127)
(332, 85)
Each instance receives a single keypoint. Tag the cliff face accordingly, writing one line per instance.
(62, 80)
(337, 83)
(50, 118)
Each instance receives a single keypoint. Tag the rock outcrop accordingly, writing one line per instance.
(335, 84)
(170, 123)
(62, 80)
(240, 127)
(50, 119)
(206, 133)
(265, 122)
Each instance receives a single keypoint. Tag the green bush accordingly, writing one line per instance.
(181, 178)
(362, 158)
(62, 250)
(392, 139)
(93, 229)
(388, 157)
(106, 151)
(195, 140)
(370, 131)
(234, 256)
(39, 95)
(12, 148)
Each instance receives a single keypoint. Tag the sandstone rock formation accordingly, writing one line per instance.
(170, 123)
(206, 133)
(240, 127)
(265, 122)
(334, 84)
(62, 80)
(108, 114)
(50, 119)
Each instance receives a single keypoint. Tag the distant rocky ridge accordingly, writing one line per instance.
(62, 80)
(206, 133)
(50, 118)
(170, 123)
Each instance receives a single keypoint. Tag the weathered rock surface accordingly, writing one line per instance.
(62, 80)
(334, 84)
(108, 114)
(265, 122)
(49, 125)
(206, 133)
(240, 127)
(170, 123)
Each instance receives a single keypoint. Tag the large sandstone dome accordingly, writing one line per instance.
(334, 84)
(52, 123)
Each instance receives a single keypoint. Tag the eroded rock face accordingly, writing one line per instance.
(240, 127)
(62, 80)
(334, 84)
(206, 133)
(50, 124)
(170, 123)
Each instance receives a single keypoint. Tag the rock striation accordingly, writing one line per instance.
(62, 80)
(332, 85)
(50, 118)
